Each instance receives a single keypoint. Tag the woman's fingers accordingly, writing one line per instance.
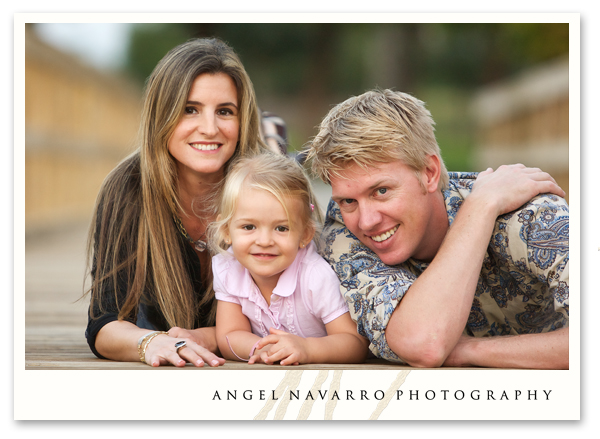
(167, 350)
(199, 355)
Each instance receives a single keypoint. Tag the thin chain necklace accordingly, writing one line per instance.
(199, 244)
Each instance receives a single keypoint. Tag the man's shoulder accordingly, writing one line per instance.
(460, 185)
(536, 233)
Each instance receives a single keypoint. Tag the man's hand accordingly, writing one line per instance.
(509, 187)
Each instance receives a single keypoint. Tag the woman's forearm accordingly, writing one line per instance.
(118, 340)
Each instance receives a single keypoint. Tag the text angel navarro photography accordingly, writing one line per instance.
(399, 395)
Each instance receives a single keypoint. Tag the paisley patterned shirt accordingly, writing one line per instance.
(523, 286)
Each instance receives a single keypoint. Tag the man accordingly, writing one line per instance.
(411, 243)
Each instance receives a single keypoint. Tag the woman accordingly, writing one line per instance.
(149, 270)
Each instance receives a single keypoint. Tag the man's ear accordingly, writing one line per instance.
(432, 173)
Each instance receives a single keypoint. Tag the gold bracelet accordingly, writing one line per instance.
(145, 342)
(141, 340)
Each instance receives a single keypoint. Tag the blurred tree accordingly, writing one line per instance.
(302, 69)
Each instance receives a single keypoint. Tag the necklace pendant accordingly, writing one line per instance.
(200, 245)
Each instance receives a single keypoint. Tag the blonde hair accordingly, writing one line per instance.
(280, 176)
(375, 127)
(133, 234)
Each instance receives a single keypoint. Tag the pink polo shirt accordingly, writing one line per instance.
(307, 295)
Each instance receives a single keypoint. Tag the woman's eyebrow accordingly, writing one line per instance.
(224, 104)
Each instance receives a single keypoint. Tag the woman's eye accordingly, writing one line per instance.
(281, 228)
(190, 110)
(225, 112)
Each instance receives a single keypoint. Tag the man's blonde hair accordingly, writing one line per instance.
(375, 127)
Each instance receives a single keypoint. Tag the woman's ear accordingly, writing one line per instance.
(432, 173)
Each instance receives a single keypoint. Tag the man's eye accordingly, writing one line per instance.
(347, 201)
(381, 191)
(281, 228)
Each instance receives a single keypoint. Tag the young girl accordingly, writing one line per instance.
(278, 300)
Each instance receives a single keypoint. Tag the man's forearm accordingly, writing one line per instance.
(427, 324)
(549, 350)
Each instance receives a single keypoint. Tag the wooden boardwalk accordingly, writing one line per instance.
(56, 316)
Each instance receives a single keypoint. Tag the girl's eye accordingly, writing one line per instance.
(248, 227)
(281, 228)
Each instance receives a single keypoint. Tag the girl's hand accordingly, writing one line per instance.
(162, 351)
(288, 349)
(509, 187)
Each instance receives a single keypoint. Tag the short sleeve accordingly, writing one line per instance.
(222, 272)
(536, 239)
(326, 301)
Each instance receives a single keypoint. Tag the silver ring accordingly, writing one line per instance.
(179, 345)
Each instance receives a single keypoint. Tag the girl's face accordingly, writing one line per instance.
(262, 237)
(207, 134)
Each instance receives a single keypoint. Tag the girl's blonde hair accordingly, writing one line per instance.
(281, 176)
(133, 235)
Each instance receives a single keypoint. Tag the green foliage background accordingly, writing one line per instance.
(300, 70)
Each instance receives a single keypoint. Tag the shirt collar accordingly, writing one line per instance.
(286, 285)
(288, 281)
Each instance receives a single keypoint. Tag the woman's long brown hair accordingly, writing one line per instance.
(132, 235)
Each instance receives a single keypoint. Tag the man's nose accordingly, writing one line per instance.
(369, 217)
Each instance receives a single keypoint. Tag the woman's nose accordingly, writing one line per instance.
(208, 125)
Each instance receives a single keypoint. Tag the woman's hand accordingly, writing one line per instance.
(205, 337)
(288, 349)
(509, 187)
(162, 351)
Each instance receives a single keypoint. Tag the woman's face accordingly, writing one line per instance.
(207, 134)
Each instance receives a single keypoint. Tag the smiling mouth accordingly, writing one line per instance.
(205, 147)
(384, 236)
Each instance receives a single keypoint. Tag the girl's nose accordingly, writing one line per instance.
(264, 237)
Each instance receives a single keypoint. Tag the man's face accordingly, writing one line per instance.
(388, 209)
